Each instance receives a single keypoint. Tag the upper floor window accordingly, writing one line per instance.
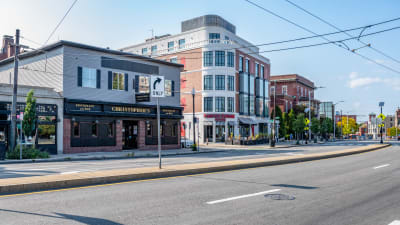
(208, 58)
(302, 91)
(170, 46)
(231, 104)
(284, 90)
(89, 77)
(251, 85)
(181, 43)
(262, 71)
(118, 81)
(169, 88)
(214, 36)
(219, 104)
(247, 65)
(231, 59)
(208, 82)
(174, 60)
(226, 37)
(153, 49)
(240, 63)
(219, 82)
(256, 70)
(231, 83)
(144, 51)
(208, 104)
(272, 90)
(219, 58)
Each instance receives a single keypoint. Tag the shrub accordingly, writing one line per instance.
(194, 147)
(27, 153)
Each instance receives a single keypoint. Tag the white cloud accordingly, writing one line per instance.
(358, 81)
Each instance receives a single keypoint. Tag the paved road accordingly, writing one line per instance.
(360, 189)
(38, 169)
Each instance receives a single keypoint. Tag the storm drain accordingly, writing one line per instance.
(279, 197)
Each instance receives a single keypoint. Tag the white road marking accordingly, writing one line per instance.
(396, 222)
(242, 196)
(381, 166)
(70, 172)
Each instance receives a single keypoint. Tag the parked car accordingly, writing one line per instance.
(186, 143)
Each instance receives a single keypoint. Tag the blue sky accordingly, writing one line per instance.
(361, 84)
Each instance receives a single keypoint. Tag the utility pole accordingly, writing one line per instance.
(381, 104)
(15, 88)
(309, 116)
(194, 119)
(272, 144)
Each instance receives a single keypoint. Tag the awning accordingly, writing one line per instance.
(247, 120)
(262, 120)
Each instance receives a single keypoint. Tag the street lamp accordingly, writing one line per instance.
(272, 143)
(309, 113)
(334, 120)
(381, 104)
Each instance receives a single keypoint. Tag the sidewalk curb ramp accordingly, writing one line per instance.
(48, 182)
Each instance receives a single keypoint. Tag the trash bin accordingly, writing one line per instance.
(2, 151)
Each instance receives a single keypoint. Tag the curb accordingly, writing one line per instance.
(40, 183)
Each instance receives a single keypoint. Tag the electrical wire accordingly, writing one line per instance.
(310, 31)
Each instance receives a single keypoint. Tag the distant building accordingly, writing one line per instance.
(363, 129)
(373, 129)
(337, 117)
(7, 49)
(327, 110)
(397, 118)
(292, 90)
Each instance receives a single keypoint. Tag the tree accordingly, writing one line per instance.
(299, 125)
(29, 121)
(291, 119)
(279, 115)
(392, 131)
(315, 126)
(349, 125)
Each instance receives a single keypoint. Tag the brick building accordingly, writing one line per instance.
(7, 49)
(229, 75)
(292, 90)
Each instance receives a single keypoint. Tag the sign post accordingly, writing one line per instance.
(157, 91)
(21, 117)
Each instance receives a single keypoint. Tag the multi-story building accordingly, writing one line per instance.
(327, 110)
(397, 118)
(389, 123)
(100, 90)
(292, 90)
(7, 49)
(229, 76)
(373, 128)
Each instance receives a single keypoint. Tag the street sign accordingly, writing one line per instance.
(306, 128)
(382, 116)
(157, 86)
(381, 125)
(307, 121)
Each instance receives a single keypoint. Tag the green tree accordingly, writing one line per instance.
(392, 131)
(315, 126)
(280, 119)
(291, 119)
(349, 125)
(299, 125)
(29, 121)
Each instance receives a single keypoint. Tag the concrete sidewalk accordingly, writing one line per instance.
(214, 147)
(38, 183)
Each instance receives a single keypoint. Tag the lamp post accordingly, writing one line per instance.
(194, 118)
(309, 112)
(334, 120)
(272, 143)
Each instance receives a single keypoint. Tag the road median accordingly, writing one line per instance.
(40, 183)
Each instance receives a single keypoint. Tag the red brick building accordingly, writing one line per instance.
(7, 50)
(292, 90)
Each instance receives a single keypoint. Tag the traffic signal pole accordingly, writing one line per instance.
(14, 97)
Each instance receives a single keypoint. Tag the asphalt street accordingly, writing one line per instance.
(69, 167)
(360, 189)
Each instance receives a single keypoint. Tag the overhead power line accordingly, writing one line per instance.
(62, 19)
(312, 32)
(338, 29)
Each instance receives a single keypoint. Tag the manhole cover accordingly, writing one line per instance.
(279, 197)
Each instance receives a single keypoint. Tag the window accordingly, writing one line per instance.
(118, 82)
(226, 37)
(259, 106)
(170, 46)
(181, 43)
(231, 83)
(89, 77)
(219, 104)
(244, 103)
(148, 128)
(94, 129)
(76, 129)
(219, 82)
(240, 63)
(219, 58)
(110, 129)
(252, 108)
(231, 59)
(208, 104)
(231, 104)
(301, 91)
(144, 84)
(262, 71)
(168, 88)
(174, 130)
(284, 90)
(214, 36)
(154, 49)
(174, 60)
(257, 66)
(208, 82)
(208, 58)
(244, 83)
(252, 85)
(272, 90)
(247, 66)
(144, 51)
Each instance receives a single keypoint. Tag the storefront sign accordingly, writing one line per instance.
(220, 117)
(127, 109)
(82, 107)
(170, 112)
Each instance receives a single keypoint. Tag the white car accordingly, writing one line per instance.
(186, 143)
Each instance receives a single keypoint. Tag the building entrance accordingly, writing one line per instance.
(130, 134)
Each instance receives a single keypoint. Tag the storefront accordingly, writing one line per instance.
(102, 126)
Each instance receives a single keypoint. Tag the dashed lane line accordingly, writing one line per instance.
(242, 196)
(381, 166)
